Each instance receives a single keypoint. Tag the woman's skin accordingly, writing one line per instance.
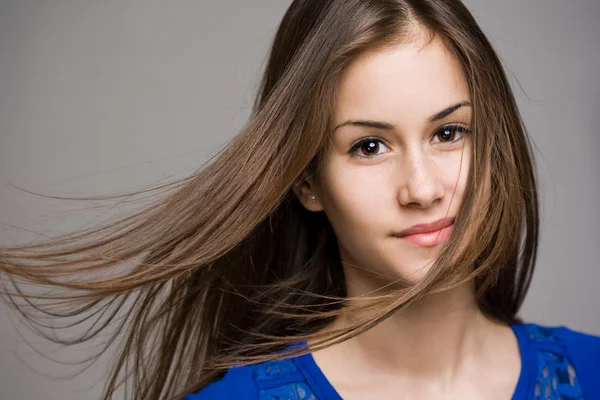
(443, 347)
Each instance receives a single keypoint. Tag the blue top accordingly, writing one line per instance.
(556, 363)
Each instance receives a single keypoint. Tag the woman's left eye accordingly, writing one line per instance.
(447, 134)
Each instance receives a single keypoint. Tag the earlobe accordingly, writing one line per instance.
(307, 196)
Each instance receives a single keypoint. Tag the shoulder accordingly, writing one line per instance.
(580, 341)
(576, 351)
(584, 351)
(253, 382)
(585, 347)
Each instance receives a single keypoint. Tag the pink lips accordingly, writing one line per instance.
(428, 235)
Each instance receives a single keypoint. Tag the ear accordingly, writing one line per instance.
(308, 194)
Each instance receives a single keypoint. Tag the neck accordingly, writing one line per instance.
(435, 339)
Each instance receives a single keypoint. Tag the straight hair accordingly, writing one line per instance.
(225, 267)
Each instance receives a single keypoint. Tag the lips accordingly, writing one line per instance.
(428, 235)
(426, 228)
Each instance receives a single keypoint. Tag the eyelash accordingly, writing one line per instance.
(458, 128)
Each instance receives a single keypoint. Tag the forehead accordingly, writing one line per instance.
(401, 83)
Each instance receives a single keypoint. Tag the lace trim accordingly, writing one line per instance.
(290, 391)
(544, 334)
(272, 371)
(556, 376)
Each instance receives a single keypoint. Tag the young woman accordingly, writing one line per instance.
(370, 234)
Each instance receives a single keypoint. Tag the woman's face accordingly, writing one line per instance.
(399, 157)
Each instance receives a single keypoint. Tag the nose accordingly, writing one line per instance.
(422, 185)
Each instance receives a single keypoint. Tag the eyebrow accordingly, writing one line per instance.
(387, 126)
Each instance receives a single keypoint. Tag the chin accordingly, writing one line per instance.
(413, 273)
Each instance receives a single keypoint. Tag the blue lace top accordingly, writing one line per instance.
(556, 363)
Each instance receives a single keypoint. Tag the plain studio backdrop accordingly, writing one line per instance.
(102, 97)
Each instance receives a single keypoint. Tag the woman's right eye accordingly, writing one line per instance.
(369, 147)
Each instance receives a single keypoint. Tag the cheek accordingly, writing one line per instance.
(462, 175)
(453, 171)
(354, 196)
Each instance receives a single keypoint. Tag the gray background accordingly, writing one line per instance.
(101, 97)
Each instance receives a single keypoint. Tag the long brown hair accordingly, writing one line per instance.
(226, 266)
